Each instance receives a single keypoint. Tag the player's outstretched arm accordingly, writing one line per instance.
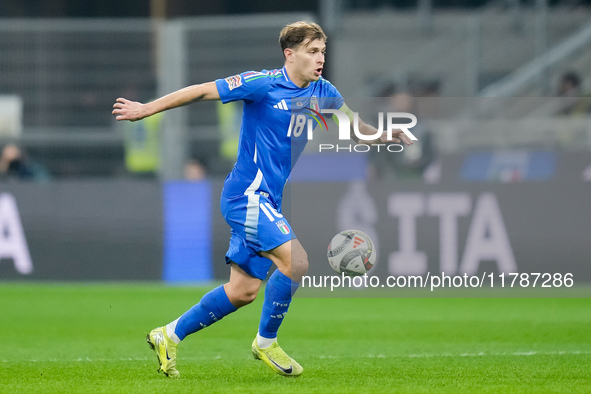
(125, 109)
(366, 129)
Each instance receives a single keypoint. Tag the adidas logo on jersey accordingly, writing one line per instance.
(281, 105)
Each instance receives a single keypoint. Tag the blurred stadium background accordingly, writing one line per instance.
(92, 209)
(499, 181)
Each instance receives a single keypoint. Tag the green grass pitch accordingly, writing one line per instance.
(91, 338)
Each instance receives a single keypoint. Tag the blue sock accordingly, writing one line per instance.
(278, 295)
(212, 307)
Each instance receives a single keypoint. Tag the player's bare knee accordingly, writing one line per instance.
(242, 293)
(242, 298)
(246, 296)
(299, 262)
(299, 268)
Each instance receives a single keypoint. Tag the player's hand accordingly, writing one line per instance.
(129, 110)
(397, 137)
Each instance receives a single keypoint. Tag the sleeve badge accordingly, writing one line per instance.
(234, 81)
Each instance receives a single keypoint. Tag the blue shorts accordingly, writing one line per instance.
(257, 225)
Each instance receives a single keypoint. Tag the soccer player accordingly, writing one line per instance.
(252, 193)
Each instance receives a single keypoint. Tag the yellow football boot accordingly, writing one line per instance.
(277, 359)
(165, 350)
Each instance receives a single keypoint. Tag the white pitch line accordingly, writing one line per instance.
(513, 354)
(480, 354)
(98, 360)
(322, 357)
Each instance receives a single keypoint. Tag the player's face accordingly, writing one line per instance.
(308, 60)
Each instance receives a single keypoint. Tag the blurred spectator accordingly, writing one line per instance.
(382, 165)
(229, 118)
(195, 171)
(570, 92)
(15, 165)
(569, 85)
(414, 160)
(142, 145)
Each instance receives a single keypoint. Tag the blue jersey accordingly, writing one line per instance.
(266, 154)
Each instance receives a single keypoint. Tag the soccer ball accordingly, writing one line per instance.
(351, 252)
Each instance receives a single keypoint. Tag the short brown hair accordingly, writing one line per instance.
(296, 33)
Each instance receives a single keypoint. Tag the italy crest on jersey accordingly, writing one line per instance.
(314, 104)
(283, 227)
